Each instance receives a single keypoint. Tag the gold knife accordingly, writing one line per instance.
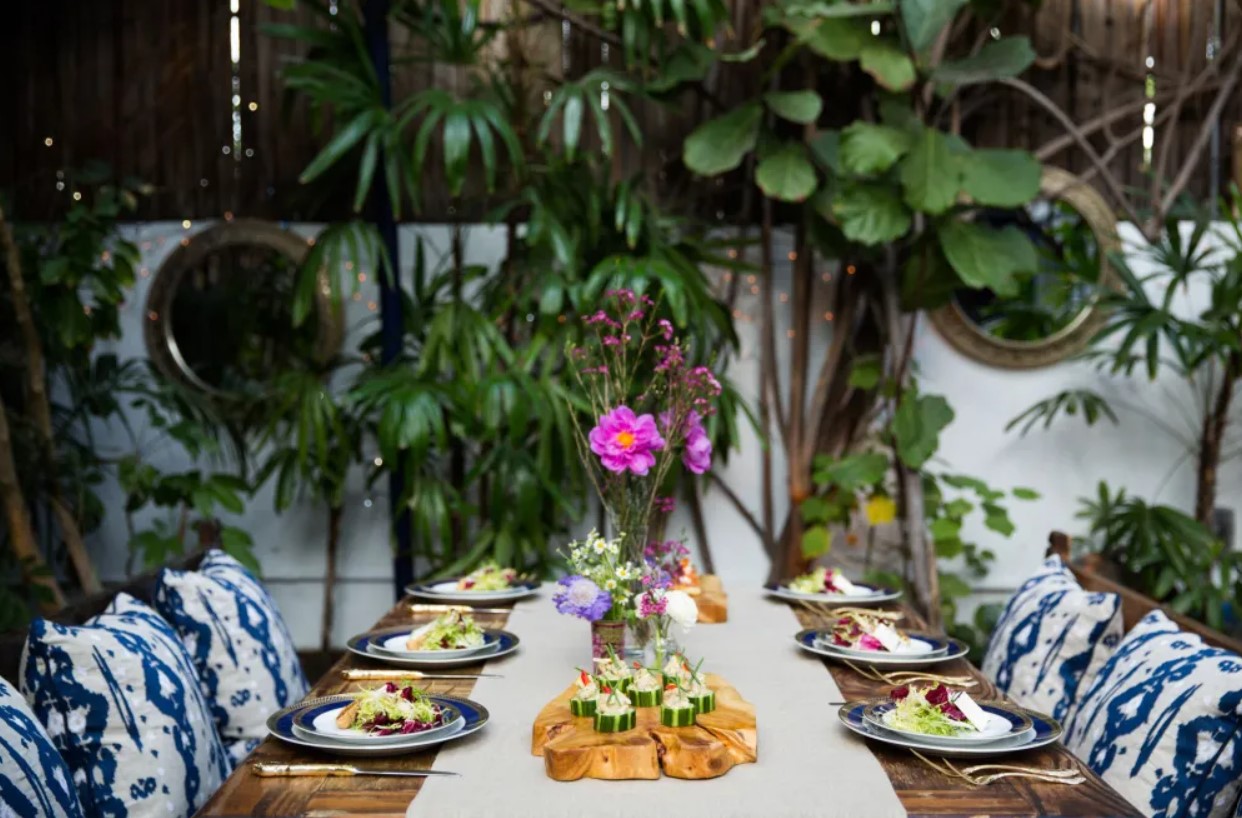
(360, 675)
(423, 608)
(264, 769)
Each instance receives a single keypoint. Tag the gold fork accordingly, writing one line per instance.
(901, 677)
(975, 776)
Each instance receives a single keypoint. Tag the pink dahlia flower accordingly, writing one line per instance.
(625, 441)
(698, 454)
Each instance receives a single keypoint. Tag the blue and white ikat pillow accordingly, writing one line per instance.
(1051, 640)
(120, 699)
(1161, 722)
(34, 781)
(245, 655)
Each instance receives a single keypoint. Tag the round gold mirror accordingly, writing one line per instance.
(219, 316)
(1055, 311)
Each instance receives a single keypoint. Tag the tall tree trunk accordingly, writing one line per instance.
(329, 578)
(21, 533)
(40, 411)
(1211, 440)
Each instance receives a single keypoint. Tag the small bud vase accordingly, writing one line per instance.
(605, 634)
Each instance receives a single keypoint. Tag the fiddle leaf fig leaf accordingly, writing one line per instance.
(787, 174)
(867, 149)
(889, 65)
(796, 106)
(1007, 57)
(815, 542)
(930, 173)
(870, 214)
(1001, 178)
(925, 19)
(720, 144)
(985, 257)
(917, 425)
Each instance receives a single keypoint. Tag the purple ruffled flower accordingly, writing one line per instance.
(625, 442)
(581, 597)
(698, 454)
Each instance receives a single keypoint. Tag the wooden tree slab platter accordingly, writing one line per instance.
(718, 741)
(712, 600)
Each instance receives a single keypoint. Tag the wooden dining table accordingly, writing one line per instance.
(922, 790)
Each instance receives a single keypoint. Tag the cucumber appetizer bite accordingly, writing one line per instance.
(614, 672)
(703, 697)
(676, 670)
(613, 712)
(585, 697)
(646, 689)
(677, 709)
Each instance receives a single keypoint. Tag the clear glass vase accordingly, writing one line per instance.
(605, 634)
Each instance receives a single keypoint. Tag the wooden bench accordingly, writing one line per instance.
(1134, 606)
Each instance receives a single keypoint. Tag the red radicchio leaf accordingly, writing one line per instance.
(899, 693)
(869, 642)
(390, 687)
(938, 695)
(951, 710)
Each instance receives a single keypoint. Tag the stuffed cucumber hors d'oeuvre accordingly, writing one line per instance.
(676, 670)
(614, 672)
(584, 700)
(677, 710)
(646, 687)
(704, 697)
(613, 711)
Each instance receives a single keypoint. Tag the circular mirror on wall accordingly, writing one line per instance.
(219, 314)
(1055, 311)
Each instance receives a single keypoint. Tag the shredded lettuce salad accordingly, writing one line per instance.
(819, 581)
(392, 709)
(453, 631)
(487, 577)
(927, 710)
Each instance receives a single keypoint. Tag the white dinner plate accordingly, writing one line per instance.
(1003, 723)
(914, 647)
(320, 723)
(396, 645)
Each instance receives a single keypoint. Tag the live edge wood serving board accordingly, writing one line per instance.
(572, 749)
(712, 600)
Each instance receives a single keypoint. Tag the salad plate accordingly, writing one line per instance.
(1002, 723)
(916, 645)
(943, 649)
(451, 635)
(369, 645)
(864, 594)
(1044, 730)
(280, 725)
(322, 722)
(488, 583)
(395, 645)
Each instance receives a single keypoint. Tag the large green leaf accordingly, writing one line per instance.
(1006, 57)
(925, 19)
(917, 425)
(927, 280)
(851, 473)
(868, 149)
(838, 38)
(796, 106)
(870, 213)
(986, 257)
(787, 174)
(719, 145)
(889, 65)
(930, 173)
(815, 542)
(1001, 178)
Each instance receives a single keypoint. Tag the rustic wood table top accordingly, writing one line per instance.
(922, 791)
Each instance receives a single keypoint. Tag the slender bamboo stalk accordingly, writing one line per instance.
(39, 408)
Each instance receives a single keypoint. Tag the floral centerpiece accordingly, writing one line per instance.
(599, 591)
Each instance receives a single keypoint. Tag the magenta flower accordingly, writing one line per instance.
(625, 442)
(651, 605)
(698, 454)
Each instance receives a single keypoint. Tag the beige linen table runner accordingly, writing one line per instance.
(808, 764)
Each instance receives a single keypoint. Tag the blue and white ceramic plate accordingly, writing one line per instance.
(916, 645)
(1044, 730)
(869, 595)
(446, 591)
(370, 646)
(816, 640)
(395, 645)
(319, 722)
(281, 725)
(1004, 722)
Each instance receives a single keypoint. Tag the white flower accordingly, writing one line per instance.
(600, 545)
(623, 572)
(681, 609)
(610, 585)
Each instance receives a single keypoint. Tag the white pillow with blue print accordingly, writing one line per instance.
(120, 700)
(34, 781)
(1051, 640)
(240, 644)
(1161, 722)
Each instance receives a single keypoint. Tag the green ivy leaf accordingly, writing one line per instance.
(868, 149)
(815, 510)
(787, 174)
(1001, 178)
(865, 373)
(852, 472)
(870, 213)
(930, 173)
(1007, 57)
(815, 542)
(925, 19)
(796, 106)
(949, 547)
(917, 425)
(945, 529)
(998, 520)
(889, 65)
(985, 257)
(1026, 494)
(720, 144)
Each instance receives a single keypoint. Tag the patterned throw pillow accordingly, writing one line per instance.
(1161, 721)
(1052, 638)
(244, 653)
(34, 781)
(120, 699)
